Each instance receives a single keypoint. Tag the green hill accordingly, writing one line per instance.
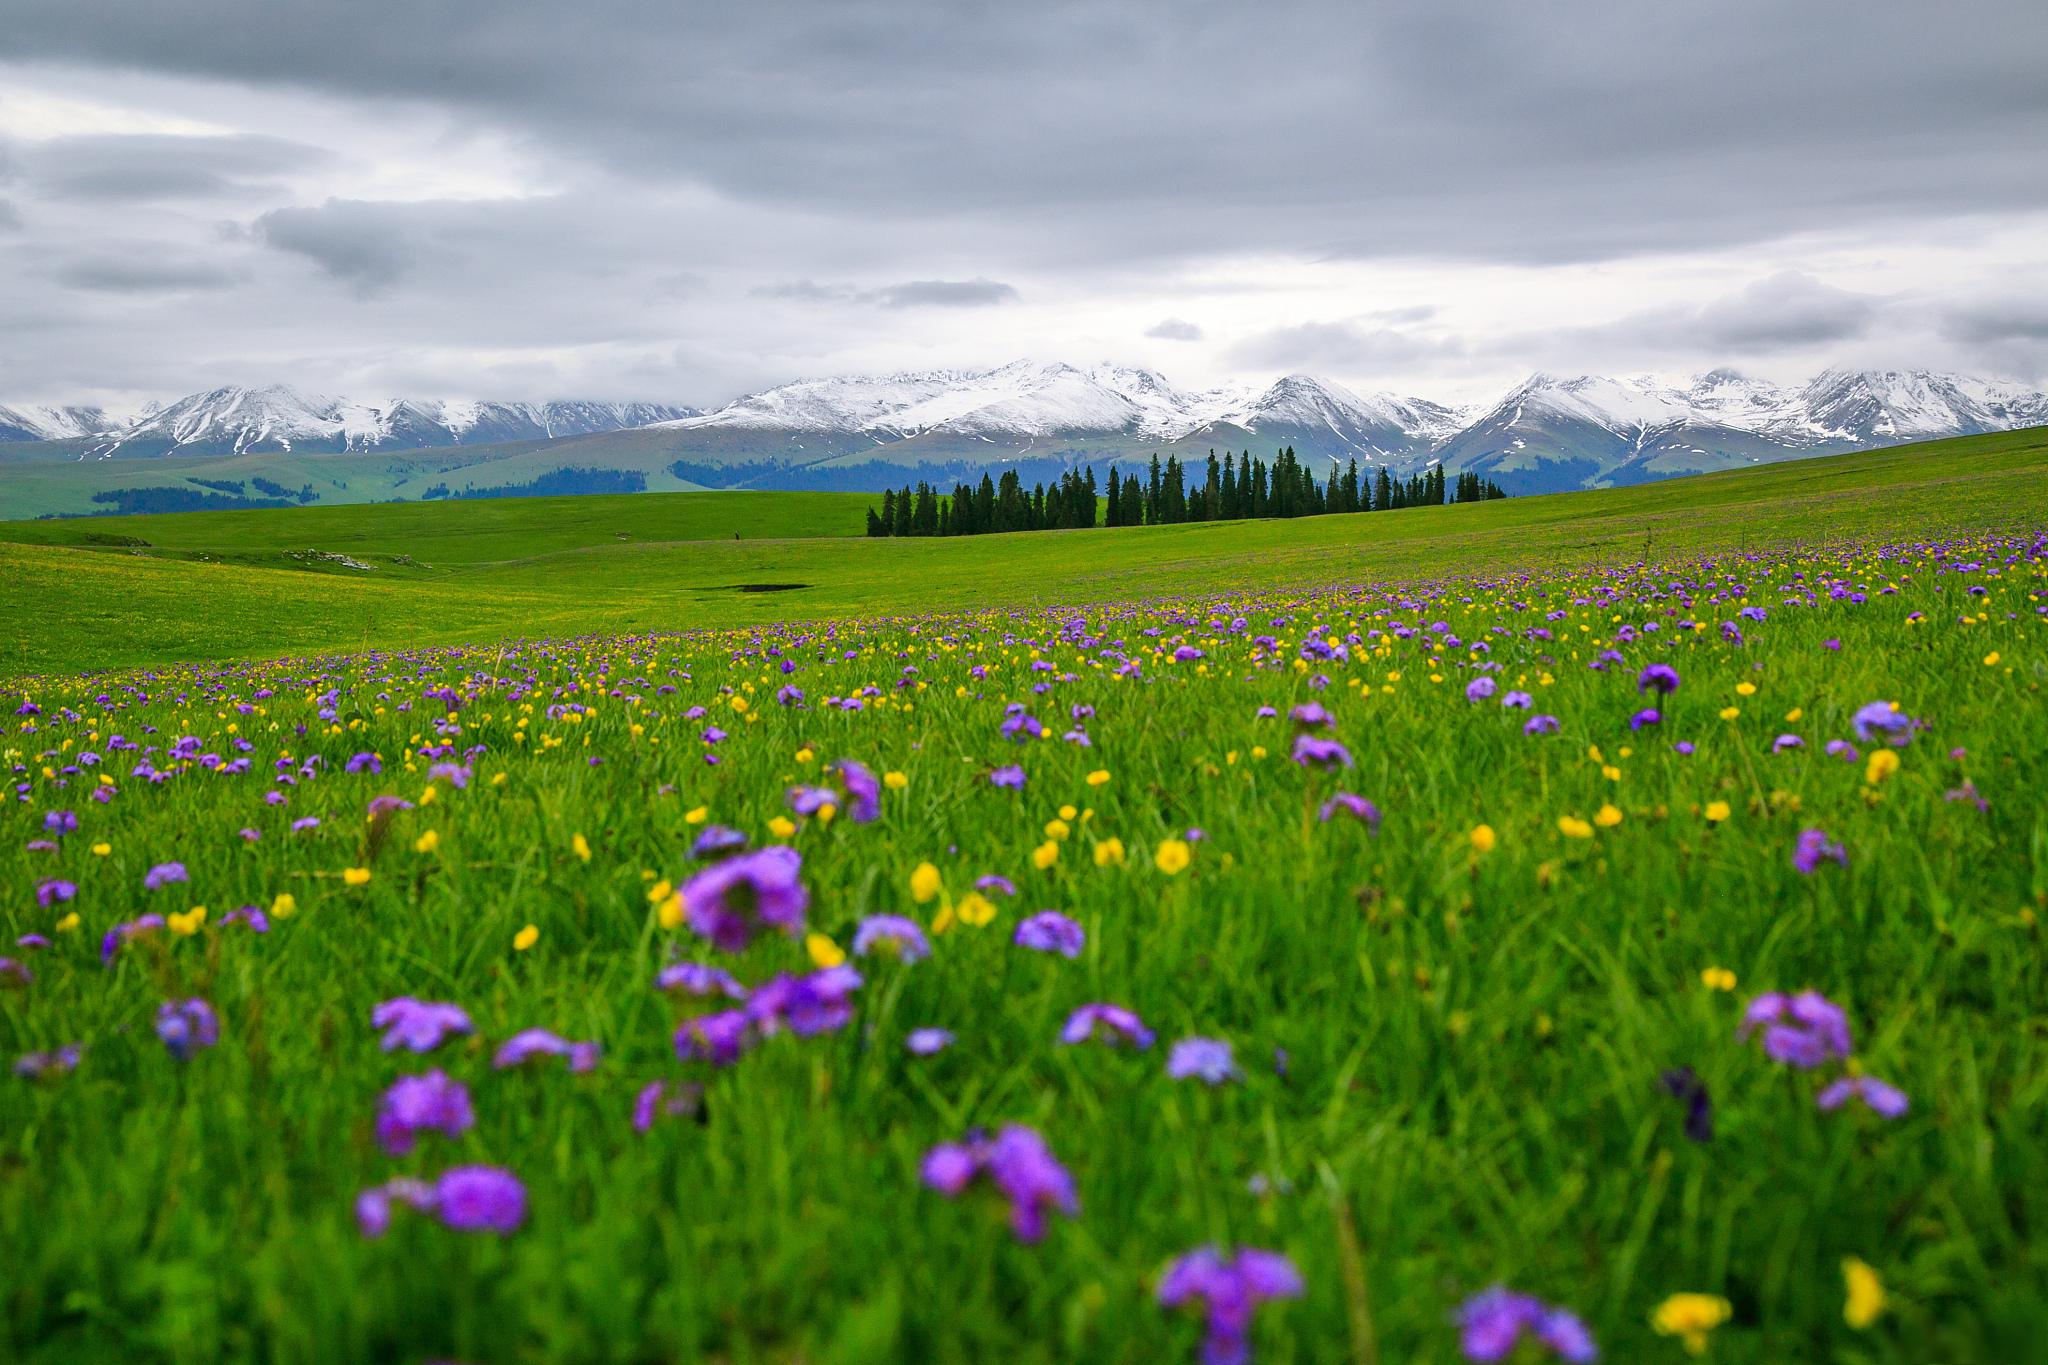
(487, 570)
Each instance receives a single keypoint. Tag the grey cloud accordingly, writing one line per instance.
(141, 273)
(1787, 311)
(1576, 129)
(1344, 347)
(976, 293)
(10, 216)
(366, 246)
(945, 294)
(1174, 329)
(142, 167)
(1998, 320)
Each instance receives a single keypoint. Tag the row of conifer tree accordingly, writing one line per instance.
(1232, 490)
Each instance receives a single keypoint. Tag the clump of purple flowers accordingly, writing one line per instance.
(732, 901)
(1202, 1059)
(527, 1044)
(1493, 1322)
(465, 1198)
(1230, 1290)
(1110, 1023)
(433, 1103)
(1018, 1163)
(1049, 931)
(186, 1026)
(417, 1025)
(1802, 1030)
(1816, 847)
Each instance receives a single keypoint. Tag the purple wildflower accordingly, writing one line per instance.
(34, 1065)
(417, 1025)
(1660, 678)
(1883, 1099)
(1110, 1023)
(1203, 1059)
(924, 1042)
(1540, 725)
(731, 901)
(1018, 1163)
(863, 791)
(716, 839)
(1493, 1322)
(433, 1103)
(891, 933)
(163, 874)
(1049, 931)
(1310, 751)
(187, 1026)
(1802, 1030)
(1357, 807)
(1230, 1291)
(674, 1099)
(715, 1038)
(1009, 775)
(53, 890)
(1883, 720)
(699, 978)
(524, 1046)
(1814, 848)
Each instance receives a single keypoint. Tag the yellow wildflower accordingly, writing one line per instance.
(525, 938)
(1483, 839)
(1883, 763)
(1607, 817)
(1572, 827)
(1172, 856)
(895, 781)
(188, 923)
(1045, 855)
(1098, 777)
(975, 909)
(580, 846)
(696, 816)
(1110, 853)
(1865, 1293)
(824, 952)
(1716, 812)
(68, 923)
(782, 827)
(1718, 979)
(284, 905)
(356, 876)
(1690, 1317)
(426, 843)
(924, 882)
(102, 850)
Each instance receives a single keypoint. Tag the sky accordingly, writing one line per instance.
(646, 199)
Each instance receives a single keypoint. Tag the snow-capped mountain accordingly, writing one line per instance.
(1548, 433)
(1026, 403)
(1019, 399)
(50, 424)
(276, 418)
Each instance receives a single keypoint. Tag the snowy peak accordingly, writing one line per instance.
(1893, 405)
(280, 418)
(28, 423)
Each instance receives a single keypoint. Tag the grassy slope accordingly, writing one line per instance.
(90, 609)
(442, 534)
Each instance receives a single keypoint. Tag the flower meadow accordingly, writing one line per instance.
(1635, 963)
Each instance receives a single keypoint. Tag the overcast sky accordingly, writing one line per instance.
(677, 201)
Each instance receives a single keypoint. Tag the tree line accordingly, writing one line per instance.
(1231, 490)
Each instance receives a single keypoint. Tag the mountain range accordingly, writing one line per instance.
(1548, 433)
(277, 418)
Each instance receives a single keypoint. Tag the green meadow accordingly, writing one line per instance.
(242, 583)
(1437, 855)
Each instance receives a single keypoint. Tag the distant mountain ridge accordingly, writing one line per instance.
(279, 418)
(1548, 433)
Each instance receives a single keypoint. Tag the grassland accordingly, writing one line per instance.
(1636, 761)
(222, 584)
